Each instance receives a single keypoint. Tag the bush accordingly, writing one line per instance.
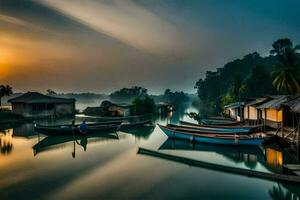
(143, 105)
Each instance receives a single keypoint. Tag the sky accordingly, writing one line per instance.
(104, 45)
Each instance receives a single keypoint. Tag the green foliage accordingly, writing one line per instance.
(5, 90)
(228, 98)
(175, 98)
(286, 77)
(259, 83)
(232, 79)
(143, 105)
(127, 94)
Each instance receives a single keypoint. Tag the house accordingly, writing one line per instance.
(235, 110)
(293, 107)
(164, 108)
(252, 114)
(119, 110)
(34, 104)
(109, 109)
(272, 110)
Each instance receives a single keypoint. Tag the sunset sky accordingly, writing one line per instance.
(103, 45)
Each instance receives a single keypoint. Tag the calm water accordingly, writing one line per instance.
(108, 167)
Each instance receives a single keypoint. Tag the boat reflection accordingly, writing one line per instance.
(55, 142)
(140, 132)
(249, 155)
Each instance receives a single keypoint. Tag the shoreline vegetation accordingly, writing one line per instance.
(251, 76)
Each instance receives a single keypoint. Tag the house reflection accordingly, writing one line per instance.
(6, 144)
(274, 159)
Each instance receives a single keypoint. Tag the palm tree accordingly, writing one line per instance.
(286, 77)
(5, 90)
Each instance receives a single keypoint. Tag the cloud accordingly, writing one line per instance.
(12, 20)
(125, 21)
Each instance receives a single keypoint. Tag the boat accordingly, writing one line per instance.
(244, 129)
(104, 127)
(220, 131)
(195, 136)
(221, 122)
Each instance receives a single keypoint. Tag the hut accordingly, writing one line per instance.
(164, 108)
(34, 104)
(119, 110)
(273, 113)
(293, 106)
(235, 110)
(252, 114)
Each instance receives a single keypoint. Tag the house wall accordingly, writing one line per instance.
(31, 110)
(252, 113)
(246, 112)
(65, 109)
(272, 115)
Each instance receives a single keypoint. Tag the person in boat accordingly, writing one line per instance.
(83, 127)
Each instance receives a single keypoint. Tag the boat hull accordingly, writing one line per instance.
(232, 129)
(69, 130)
(175, 134)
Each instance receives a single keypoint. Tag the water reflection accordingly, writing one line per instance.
(106, 162)
(140, 132)
(247, 155)
(55, 142)
(284, 192)
(6, 145)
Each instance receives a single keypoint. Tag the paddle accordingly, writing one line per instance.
(73, 131)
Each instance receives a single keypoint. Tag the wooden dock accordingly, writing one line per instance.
(222, 168)
(292, 169)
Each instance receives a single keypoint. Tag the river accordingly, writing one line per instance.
(33, 166)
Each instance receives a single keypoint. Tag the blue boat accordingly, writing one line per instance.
(225, 129)
(220, 122)
(205, 130)
(235, 140)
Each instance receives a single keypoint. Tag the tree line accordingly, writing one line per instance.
(252, 76)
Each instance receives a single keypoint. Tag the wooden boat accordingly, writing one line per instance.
(104, 127)
(192, 135)
(220, 122)
(240, 129)
(219, 131)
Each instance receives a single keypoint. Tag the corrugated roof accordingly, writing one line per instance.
(257, 101)
(294, 104)
(35, 97)
(276, 102)
(234, 105)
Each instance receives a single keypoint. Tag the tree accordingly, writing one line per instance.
(51, 92)
(286, 76)
(143, 105)
(5, 90)
(259, 83)
(127, 94)
(237, 87)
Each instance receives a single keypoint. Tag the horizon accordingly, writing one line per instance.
(102, 46)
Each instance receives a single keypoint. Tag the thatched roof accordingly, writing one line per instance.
(276, 102)
(35, 97)
(294, 104)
